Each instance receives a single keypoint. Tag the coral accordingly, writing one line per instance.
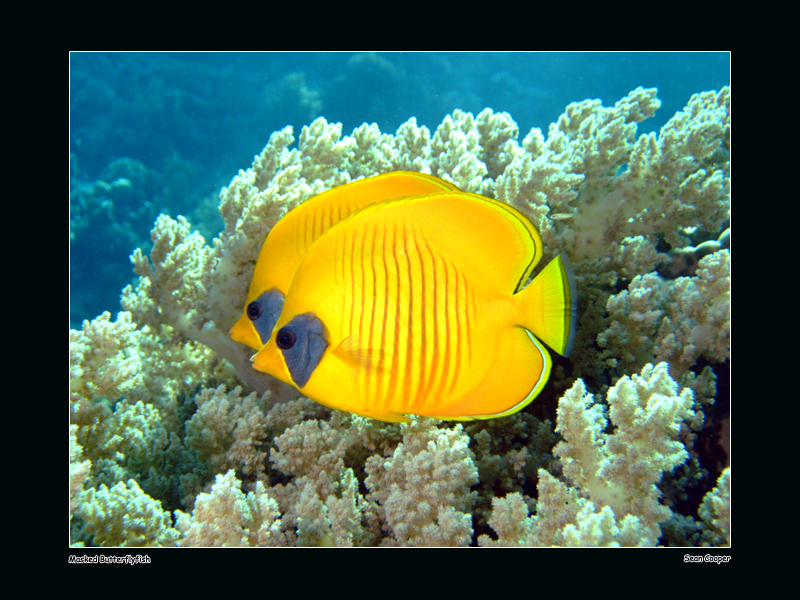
(102, 360)
(687, 165)
(228, 517)
(134, 441)
(174, 367)
(78, 469)
(672, 320)
(340, 518)
(455, 148)
(565, 173)
(125, 516)
(699, 321)
(621, 469)
(311, 449)
(716, 510)
(172, 290)
(290, 413)
(423, 488)
(685, 171)
(226, 430)
(133, 435)
(162, 403)
(112, 360)
(127, 405)
(563, 518)
(508, 454)
(323, 502)
(613, 498)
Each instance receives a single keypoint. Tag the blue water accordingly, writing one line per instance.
(178, 127)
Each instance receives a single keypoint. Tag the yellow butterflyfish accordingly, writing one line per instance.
(419, 306)
(294, 234)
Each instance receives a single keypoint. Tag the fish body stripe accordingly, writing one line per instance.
(371, 335)
(458, 328)
(425, 391)
(409, 286)
(384, 316)
(446, 304)
(392, 383)
(362, 284)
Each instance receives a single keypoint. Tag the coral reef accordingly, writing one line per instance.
(168, 419)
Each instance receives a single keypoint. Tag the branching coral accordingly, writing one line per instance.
(111, 360)
(675, 321)
(716, 510)
(621, 469)
(228, 517)
(126, 406)
(423, 489)
(323, 502)
(102, 358)
(78, 469)
(677, 179)
(560, 177)
(614, 500)
(227, 430)
(172, 291)
(125, 516)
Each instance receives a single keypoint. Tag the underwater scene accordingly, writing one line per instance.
(399, 299)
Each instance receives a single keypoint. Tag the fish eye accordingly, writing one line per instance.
(285, 339)
(254, 310)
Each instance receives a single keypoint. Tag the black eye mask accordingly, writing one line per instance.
(302, 343)
(264, 312)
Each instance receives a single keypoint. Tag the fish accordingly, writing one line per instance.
(419, 306)
(287, 242)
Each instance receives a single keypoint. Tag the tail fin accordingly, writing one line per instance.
(549, 305)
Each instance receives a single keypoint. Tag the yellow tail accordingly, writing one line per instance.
(548, 306)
